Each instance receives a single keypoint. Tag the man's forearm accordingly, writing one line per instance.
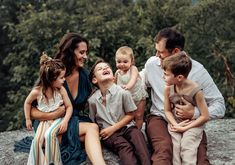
(217, 109)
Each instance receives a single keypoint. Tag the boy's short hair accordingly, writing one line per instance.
(91, 74)
(178, 64)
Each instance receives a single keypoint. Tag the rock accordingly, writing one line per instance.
(221, 141)
(220, 135)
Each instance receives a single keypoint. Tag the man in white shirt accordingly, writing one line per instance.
(168, 42)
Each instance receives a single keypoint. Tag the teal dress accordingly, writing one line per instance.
(71, 151)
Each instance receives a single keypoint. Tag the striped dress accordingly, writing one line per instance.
(45, 147)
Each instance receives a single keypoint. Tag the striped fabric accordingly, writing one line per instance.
(46, 135)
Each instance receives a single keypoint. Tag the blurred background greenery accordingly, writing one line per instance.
(29, 27)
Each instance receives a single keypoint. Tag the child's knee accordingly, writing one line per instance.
(50, 135)
(36, 140)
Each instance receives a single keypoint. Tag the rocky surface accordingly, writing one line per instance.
(220, 134)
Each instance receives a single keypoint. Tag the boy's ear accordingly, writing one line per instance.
(180, 77)
(176, 50)
(94, 80)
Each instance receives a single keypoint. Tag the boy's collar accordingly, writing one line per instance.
(112, 90)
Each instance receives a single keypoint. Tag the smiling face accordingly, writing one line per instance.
(161, 50)
(58, 83)
(102, 72)
(81, 54)
(123, 62)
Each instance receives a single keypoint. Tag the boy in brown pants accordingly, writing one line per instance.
(112, 107)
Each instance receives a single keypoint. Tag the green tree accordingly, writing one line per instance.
(30, 27)
(39, 27)
(8, 15)
(37, 30)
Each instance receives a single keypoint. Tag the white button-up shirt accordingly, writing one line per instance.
(152, 75)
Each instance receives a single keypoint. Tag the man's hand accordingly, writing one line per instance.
(185, 111)
(177, 128)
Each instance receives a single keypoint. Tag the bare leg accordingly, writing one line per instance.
(92, 142)
(139, 114)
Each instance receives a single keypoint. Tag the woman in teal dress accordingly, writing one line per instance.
(73, 51)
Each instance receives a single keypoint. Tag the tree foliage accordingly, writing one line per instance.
(30, 27)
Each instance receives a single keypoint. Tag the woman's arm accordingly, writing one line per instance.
(68, 108)
(42, 116)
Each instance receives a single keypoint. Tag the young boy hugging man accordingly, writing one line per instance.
(112, 107)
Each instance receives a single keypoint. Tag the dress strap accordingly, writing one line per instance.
(194, 91)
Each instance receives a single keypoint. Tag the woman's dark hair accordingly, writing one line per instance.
(67, 45)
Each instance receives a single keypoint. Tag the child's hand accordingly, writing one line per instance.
(185, 123)
(63, 127)
(29, 125)
(125, 87)
(107, 132)
(178, 128)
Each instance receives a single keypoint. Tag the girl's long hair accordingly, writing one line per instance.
(50, 69)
